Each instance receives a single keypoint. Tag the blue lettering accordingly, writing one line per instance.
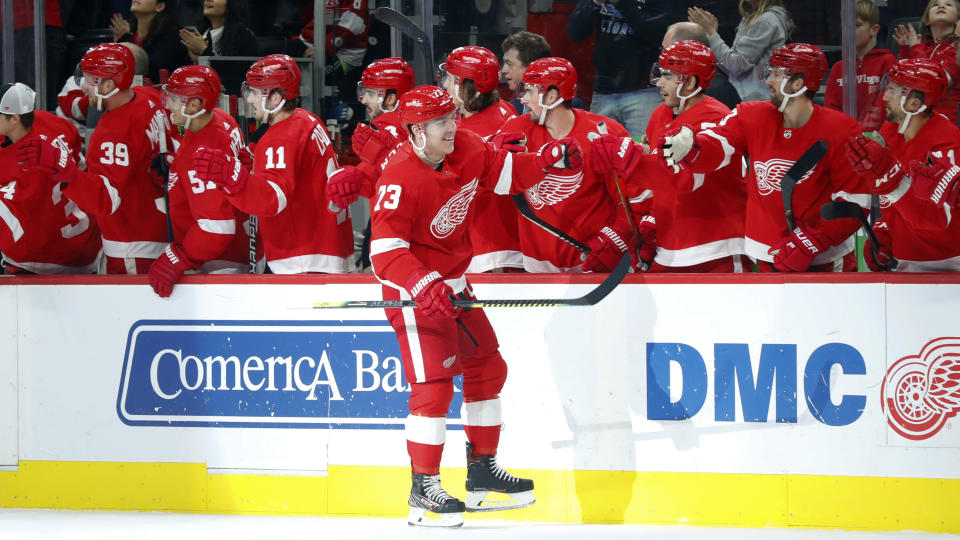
(816, 384)
(694, 375)
(733, 369)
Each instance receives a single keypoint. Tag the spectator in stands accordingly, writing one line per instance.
(936, 41)
(872, 64)
(153, 25)
(627, 47)
(765, 26)
(220, 32)
(720, 89)
(518, 51)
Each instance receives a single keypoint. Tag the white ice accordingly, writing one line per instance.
(17, 524)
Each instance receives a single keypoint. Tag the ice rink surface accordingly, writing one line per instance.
(16, 524)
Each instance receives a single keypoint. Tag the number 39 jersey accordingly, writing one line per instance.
(41, 231)
(120, 186)
(287, 190)
(213, 233)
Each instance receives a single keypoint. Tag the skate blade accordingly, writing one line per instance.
(420, 517)
(491, 501)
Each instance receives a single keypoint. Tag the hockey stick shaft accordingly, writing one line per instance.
(800, 168)
(638, 242)
(524, 208)
(846, 209)
(591, 298)
(407, 27)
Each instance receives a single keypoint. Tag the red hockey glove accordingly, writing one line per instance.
(220, 168)
(647, 229)
(563, 153)
(679, 148)
(885, 259)
(36, 153)
(613, 153)
(371, 144)
(514, 141)
(874, 163)
(343, 187)
(606, 250)
(936, 181)
(168, 269)
(796, 251)
(433, 296)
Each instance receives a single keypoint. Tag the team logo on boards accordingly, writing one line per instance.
(921, 392)
(769, 174)
(304, 374)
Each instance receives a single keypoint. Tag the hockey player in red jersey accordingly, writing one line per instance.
(379, 90)
(913, 132)
(471, 75)
(208, 231)
(41, 231)
(583, 204)
(287, 187)
(698, 218)
(420, 250)
(775, 134)
(120, 186)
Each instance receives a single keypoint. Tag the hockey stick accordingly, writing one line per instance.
(591, 298)
(407, 27)
(524, 208)
(807, 161)
(846, 209)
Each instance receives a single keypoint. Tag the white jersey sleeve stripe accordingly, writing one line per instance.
(728, 149)
(383, 245)
(12, 222)
(218, 226)
(281, 197)
(506, 177)
(114, 194)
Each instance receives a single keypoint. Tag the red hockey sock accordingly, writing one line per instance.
(425, 438)
(425, 458)
(484, 439)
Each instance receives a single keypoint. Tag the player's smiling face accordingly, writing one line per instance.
(668, 83)
(438, 134)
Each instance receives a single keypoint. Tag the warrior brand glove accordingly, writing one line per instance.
(433, 296)
(647, 229)
(221, 169)
(936, 182)
(795, 252)
(168, 269)
(36, 153)
(885, 260)
(564, 153)
(511, 142)
(371, 144)
(875, 163)
(679, 148)
(613, 153)
(343, 187)
(606, 250)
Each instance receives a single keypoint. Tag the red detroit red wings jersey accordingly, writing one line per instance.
(579, 203)
(707, 223)
(212, 231)
(287, 191)
(120, 186)
(494, 235)
(42, 231)
(756, 129)
(422, 216)
(922, 250)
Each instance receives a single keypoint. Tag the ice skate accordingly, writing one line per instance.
(490, 487)
(431, 505)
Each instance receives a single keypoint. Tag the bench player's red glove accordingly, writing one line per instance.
(606, 250)
(168, 269)
(220, 168)
(647, 229)
(796, 251)
(874, 163)
(562, 153)
(938, 181)
(514, 141)
(36, 153)
(371, 144)
(615, 153)
(433, 296)
(343, 187)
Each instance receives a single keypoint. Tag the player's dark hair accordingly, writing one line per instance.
(474, 101)
(26, 119)
(922, 96)
(529, 46)
(289, 104)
